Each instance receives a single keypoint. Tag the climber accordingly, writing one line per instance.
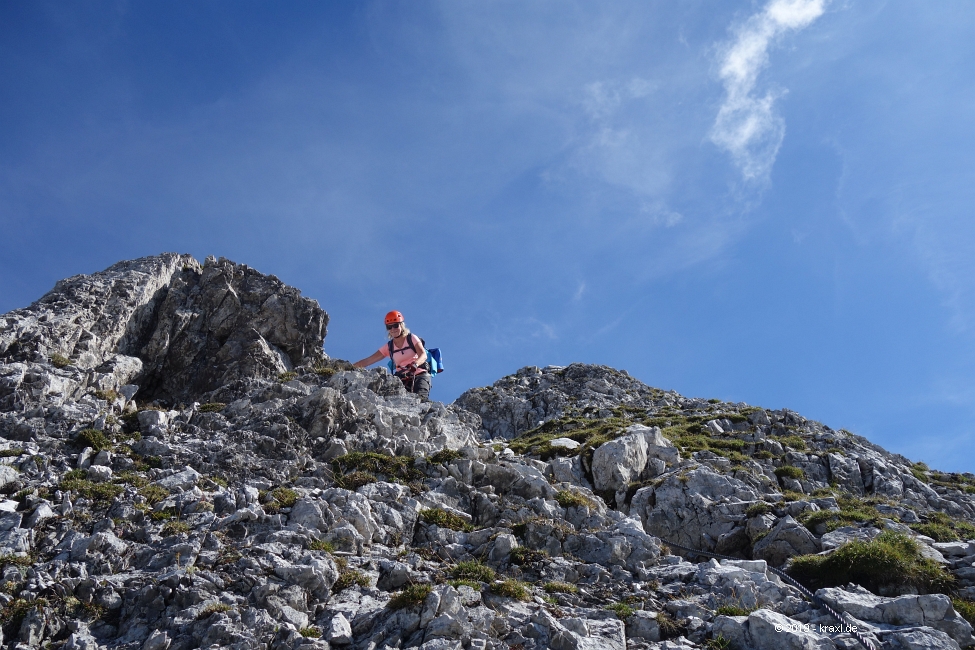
(407, 353)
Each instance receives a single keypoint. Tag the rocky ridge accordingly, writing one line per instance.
(181, 466)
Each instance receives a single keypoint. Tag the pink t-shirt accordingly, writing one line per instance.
(404, 356)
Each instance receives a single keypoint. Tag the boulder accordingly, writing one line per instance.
(786, 539)
(930, 610)
(768, 630)
(697, 508)
(618, 462)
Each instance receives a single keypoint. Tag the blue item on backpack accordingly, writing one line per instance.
(433, 364)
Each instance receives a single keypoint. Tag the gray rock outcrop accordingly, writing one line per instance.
(174, 327)
(181, 466)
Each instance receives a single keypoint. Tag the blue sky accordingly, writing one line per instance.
(766, 202)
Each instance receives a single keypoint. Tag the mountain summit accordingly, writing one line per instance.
(182, 467)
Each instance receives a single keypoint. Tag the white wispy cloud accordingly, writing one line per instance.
(747, 125)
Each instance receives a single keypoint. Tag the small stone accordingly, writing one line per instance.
(99, 473)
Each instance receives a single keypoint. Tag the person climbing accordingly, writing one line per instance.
(407, 353)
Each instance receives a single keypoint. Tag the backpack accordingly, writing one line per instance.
(433, 364)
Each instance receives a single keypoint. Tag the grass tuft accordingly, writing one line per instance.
(472, 570)
(560, 588)
(891, 560)
(965, 608)
(59, 360)
(511, 588)
(102, 492)
(525, 555)
(392, 467)
(350, 578)
(622, 610)
(757, 509)
(793, 441)
(286, 497)
(569, 499)
(94, 438)
(790, 471)
(412, 595)
(355, 480)
(444, 456)
(443, 519)
(174, 528)
(211, 609)
(734, 610)
(153, 493)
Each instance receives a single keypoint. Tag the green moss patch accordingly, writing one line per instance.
(891, 560)
(212, 407)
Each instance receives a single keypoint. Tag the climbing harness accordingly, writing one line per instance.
(816, 600)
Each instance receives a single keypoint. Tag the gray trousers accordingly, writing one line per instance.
(418, 384)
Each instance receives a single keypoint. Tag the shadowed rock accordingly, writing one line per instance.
(177, 329)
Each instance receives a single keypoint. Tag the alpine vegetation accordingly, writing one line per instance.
(182, 467)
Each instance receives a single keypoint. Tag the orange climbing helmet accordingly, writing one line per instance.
(394, 317)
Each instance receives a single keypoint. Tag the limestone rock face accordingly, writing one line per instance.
(929, 610)
(90, 318)
(522, 401)
(698, 508)
(617, 462)
(182, 467)
(165, 323)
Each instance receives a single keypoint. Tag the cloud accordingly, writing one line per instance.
(746, 125)
(579, 292)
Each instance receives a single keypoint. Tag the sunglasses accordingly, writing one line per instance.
(393, 326)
